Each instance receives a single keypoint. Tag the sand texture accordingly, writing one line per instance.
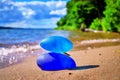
(92, 64)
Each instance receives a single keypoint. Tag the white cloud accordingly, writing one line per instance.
(58, 12)
(41, 8)
(28, 3)
(60, 4)
(4, 9)
(56, 4)
(50, 4)
(44, 23)
(21, 12)
(6, 5)
(27, 12)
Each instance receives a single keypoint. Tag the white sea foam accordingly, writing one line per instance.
(98, 41)
(17, 53)
(17, 48)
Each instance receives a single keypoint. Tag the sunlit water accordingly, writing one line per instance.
(14, 36)
(16, 44)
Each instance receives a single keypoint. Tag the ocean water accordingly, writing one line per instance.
(17, 44)
(17, 36)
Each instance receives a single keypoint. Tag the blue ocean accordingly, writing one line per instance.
(17, 36)
(18, 44)
(29, 22)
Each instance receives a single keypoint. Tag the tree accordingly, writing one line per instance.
(81, 12)
(111, 21)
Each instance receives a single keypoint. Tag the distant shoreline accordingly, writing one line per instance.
(1, 27)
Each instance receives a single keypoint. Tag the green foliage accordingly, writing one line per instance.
(95, 14)
(80, 11)
(96, 24)
(111, 21)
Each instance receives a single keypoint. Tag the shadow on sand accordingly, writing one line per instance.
(85, 67)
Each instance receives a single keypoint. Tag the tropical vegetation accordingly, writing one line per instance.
(103, 15)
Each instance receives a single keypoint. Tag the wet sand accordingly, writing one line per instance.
(92, 64)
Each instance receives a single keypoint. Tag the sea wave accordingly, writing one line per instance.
(17, 48)
(98, 41)
(17, 53)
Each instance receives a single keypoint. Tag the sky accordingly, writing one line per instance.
(40, 0)
(31, 13)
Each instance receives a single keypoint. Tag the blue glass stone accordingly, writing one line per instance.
(57, 44)
(53, 61)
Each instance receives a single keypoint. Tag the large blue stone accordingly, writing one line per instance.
(57, 44)
(54, 61)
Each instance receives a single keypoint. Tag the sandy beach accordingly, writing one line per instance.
(92, 64)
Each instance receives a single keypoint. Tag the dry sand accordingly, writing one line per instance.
(92, 64)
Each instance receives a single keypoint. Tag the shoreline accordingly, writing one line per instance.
(92, 64)
(17, 53)
(25, 47)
